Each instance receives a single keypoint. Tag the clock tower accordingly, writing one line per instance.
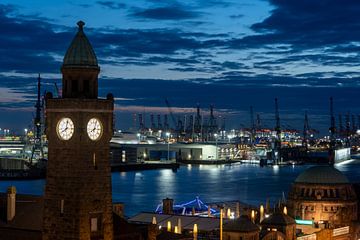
(79, 126)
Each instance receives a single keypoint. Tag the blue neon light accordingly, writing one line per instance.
(304, 222)
(185, 208)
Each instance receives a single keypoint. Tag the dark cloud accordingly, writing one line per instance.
(27, 43)
(307, 24)
(184, 69)
(311, 59)
(174, 12)
(213, 3)
(179, 61)
(84, 5)
(236, 16)
(135, 42)
(111, 4)
(232, 65)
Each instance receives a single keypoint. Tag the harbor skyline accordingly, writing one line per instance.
(227, 53)
(204, 120)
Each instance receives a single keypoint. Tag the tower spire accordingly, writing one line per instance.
(80, 68)
(81, 25)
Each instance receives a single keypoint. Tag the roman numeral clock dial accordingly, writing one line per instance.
(94, 129)
(65, 128)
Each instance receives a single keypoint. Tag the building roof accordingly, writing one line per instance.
(279, 219)
(187, 222)
(322, 175)
(242, 224)
(28, 213)
(164, 235)
(80, 52)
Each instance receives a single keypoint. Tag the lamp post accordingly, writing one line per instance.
(216, 146)
(221, 223)
(168, 145)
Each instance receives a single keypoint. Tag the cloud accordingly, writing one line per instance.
(30, 44)
(136, 42)
(153, 109)
(11, 96)
(174, 12)
(237, 16)
(111, 4)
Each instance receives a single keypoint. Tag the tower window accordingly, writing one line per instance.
(86, 86)
(75, 85)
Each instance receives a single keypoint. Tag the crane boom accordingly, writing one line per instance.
(170, 112)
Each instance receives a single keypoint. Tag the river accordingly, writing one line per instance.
(144, 190)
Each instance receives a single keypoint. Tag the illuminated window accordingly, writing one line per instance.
(94, 161)
(62, 206)
(94, 224)
(96, 227)
(123, 156)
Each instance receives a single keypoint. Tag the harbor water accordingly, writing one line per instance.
(144, 190)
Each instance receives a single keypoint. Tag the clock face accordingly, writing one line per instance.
(65, 128)
(94, 129)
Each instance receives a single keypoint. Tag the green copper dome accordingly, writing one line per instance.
(322, 175)
(80, 53)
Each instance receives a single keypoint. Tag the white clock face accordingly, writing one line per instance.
(94, 129)
(65, 128)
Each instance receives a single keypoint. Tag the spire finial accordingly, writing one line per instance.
(81, 25)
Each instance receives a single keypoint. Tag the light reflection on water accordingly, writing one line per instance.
(144, 190)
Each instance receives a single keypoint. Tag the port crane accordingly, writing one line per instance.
(37, 147)
(332, 130)
(277, 143)
(306, 131)
(253, 128)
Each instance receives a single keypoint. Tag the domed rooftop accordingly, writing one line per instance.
(322, 175)
(80, 53)
(278, 218)
(242, 224)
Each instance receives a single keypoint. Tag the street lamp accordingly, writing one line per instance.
(139, 136)
(168, 145)
(216, 148)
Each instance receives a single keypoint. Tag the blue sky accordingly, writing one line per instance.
(230, 53)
